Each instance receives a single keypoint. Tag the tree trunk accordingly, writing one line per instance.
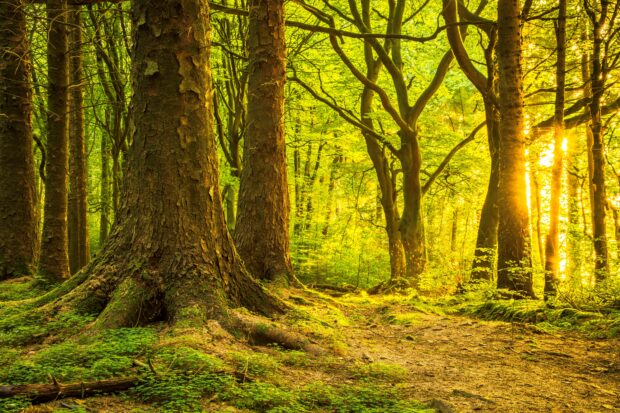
(105, 199)
(331, 185)
(18, 231)
(79, 243)
(486, 241)
(262, 231)
(552, 244)
(411, 224)
(230, 201)
(169, 255)
(514, 255)
(599, 197)
(54, 262)
(573, 252)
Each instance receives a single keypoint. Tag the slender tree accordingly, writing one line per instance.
(261, 232)
(18, 230)
(79, 244)
(602, 20)
(552, 244)
(514, 255)
(54, 262)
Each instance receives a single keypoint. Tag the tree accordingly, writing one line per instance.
(602, 19)
(552, 244)
(54, 262)
(18, 231)
(514, 255)
(261, 232)
(79, 244)
(169, 254)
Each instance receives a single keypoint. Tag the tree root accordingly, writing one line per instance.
(264, 332)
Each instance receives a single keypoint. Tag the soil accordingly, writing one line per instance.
(479, 366)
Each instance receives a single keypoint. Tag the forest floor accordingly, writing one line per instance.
(490, 366)
(383, 355)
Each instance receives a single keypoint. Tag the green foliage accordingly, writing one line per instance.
(32, 327)
(254, 364)
(548, 316)
(14, 404)
(93, 357)
(379, 371)
(179, 392)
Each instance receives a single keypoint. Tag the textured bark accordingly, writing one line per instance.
(262, 230)
(598, 201)
(105, 199)
(54, 262)
(18, 230)
(169, 255)
(79, 243)
(552, 244)
(514, 255)
(486, 240)
(40, 393)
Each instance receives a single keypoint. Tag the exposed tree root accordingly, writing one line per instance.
(393, 286)
(261, 331)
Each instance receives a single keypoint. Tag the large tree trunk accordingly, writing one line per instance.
(169, 254)
(262, 231)
(79, 244)
(552, 244)
(514, 255)
(18, 230)
(54, 262)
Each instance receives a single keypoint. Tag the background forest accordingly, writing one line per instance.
(438, 158)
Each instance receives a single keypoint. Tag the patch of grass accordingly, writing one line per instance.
(379, 371)
(20, 289)
(254, 364)
(99, 356)
(14, 404)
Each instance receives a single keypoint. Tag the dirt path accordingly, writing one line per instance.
(477, 366)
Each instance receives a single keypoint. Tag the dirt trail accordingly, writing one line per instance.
(478, 366)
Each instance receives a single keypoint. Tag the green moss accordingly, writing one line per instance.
(254, 364)
(596, 323)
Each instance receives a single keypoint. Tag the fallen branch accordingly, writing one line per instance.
(40, 393)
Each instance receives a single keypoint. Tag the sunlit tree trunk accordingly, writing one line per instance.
(262, 230)
(79, 244)
(552, 243)
(18, 216)
(598, 201)
(514, 254)
(54, 262)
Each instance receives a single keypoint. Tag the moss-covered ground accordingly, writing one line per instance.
(383, 354)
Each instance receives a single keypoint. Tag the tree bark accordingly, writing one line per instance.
(79, 243)
(514, 254)
(105, 200)
(262, 231)
(54, 262)
(169, 255)
(486, 241)
(552, 244)
(598, 201)
(18, 231)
